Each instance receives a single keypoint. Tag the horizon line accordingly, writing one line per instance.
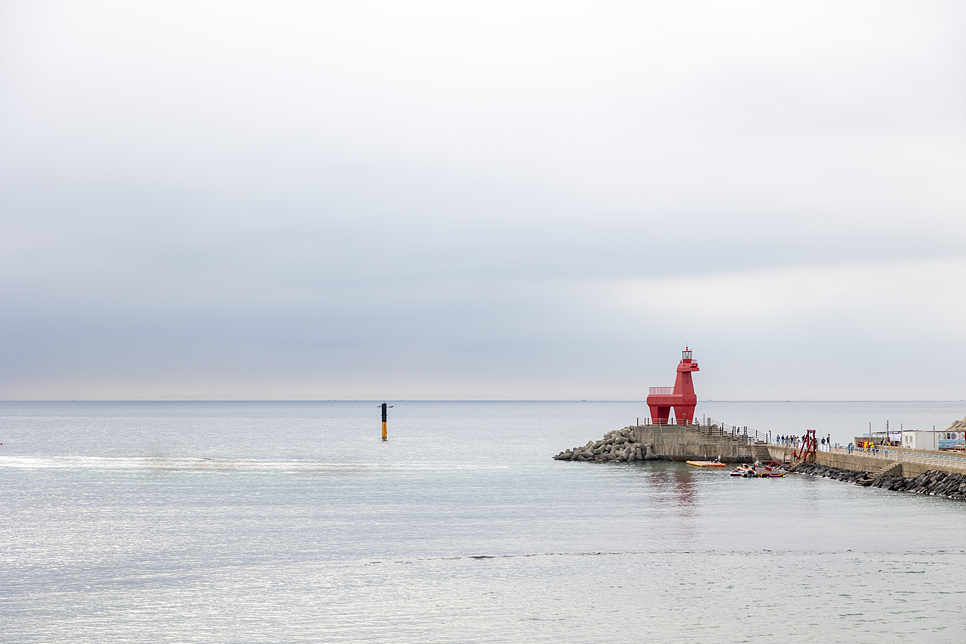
(502, 400)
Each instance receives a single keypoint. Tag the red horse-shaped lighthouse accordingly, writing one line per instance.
(681, 396)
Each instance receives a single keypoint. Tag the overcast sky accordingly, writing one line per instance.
(434, 200)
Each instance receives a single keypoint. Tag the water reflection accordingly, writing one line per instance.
(673, 486)
(673, 493)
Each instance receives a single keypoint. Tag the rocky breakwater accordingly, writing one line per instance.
(619, 445)
(934, 482)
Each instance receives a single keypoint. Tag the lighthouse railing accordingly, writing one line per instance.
(721, 429)
(716, 429)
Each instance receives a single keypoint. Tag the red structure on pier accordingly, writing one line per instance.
(807, 455)
(681, 396)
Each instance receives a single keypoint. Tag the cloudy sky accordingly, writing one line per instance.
(506, 200)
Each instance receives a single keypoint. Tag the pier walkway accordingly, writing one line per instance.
(907, 461)
(709, 438)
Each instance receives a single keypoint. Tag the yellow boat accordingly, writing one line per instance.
(769, 472)
(706, 463)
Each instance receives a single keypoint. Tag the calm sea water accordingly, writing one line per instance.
(272, 522)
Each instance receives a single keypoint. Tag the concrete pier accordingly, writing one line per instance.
(693, 442)
(902, 461)
(669, 443)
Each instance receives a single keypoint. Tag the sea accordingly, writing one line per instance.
(209, 522)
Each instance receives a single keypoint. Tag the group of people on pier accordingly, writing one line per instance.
(825, 445)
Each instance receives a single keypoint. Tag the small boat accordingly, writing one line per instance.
(715, 463)
(769, 472)
(757, 470)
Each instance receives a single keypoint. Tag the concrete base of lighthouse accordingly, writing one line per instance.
(689, 442)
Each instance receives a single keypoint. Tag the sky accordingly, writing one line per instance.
(482, 200)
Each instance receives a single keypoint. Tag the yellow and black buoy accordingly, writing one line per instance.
(384, 417)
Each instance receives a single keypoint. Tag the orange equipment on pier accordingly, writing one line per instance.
(681, 396)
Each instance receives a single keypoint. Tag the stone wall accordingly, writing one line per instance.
(854, 462)
(664, 442)
(859, 462)
(950, 485)
(682, 443)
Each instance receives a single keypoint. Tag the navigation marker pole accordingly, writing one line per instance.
(384, 417)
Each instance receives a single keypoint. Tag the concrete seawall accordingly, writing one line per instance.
(703, 442)
(684, 443)
(669, 443)
(901, 462)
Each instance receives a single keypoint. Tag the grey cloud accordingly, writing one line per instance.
(256, 196)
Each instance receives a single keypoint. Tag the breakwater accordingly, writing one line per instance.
(950, 485)
(907, 462)
(620, 445)
(670, 443)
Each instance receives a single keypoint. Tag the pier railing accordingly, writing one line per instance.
(744, 435)
(738, 433)
(718, 429)
(904, 455)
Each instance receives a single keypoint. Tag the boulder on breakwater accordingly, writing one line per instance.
(948, 485)
(619, 445)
